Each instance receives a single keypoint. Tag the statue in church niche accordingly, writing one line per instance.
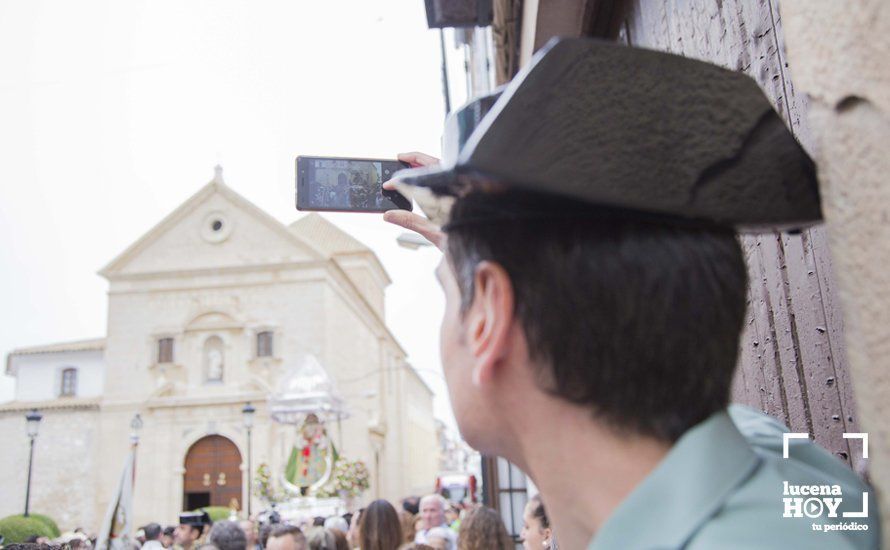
(213, 359)
(214, 365)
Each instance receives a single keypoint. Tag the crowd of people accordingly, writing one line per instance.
(428, 523)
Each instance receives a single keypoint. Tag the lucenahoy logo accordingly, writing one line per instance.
(815, 501)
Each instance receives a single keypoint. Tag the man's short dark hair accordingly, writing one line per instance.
(152, 531)
(227, 535)
(635, 317)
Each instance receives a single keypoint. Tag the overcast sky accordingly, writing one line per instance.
(113, 113)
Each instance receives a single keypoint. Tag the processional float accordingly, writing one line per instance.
(306, 398)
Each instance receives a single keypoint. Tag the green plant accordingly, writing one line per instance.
(216, 513)
(18, 528)
(49, 522)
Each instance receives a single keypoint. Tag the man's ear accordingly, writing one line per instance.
(489, 320)
(548, 536)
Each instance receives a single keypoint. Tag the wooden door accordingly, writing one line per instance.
(212, 473)
(792, 361)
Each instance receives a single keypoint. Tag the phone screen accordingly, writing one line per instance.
(350, 185)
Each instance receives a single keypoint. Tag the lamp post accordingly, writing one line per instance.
(135, 426)
(247, 412)
(33, 419)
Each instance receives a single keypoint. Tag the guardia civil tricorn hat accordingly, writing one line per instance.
(630, 130)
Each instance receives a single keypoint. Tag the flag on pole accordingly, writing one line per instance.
(117, 527)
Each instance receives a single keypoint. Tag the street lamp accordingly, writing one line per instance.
(135, 426)
(33, 419)
(247, 412)
(412, 241)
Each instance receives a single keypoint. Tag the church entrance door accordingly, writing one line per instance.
(212, 474)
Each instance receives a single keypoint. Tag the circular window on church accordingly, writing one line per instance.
(216, 227)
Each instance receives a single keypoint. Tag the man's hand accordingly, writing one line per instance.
(416, 160)
(410, 220)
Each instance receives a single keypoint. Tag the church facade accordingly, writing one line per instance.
(207, 312)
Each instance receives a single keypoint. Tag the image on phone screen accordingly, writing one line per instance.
(349, 185)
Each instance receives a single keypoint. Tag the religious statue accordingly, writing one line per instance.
(214, 364)
(311, 457)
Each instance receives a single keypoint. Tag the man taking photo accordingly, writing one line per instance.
(595, 295)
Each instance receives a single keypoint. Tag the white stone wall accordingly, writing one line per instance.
(39, 377)
(838, 51)
(64, 474)
(291, 308)
(421, 443)
(367, 278)
(184, 245)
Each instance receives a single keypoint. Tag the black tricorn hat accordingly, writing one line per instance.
(197, 518)
(634, 130)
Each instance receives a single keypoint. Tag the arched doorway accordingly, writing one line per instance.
(212, 473)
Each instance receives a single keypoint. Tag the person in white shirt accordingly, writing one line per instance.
(432, 512)
(152, 535)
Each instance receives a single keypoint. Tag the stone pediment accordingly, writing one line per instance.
(215, 229)
(214, 320)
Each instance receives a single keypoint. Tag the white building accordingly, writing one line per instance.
(206, 312)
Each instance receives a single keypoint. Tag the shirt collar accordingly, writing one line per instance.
(685, 489)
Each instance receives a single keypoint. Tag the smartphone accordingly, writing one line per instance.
(347, 185)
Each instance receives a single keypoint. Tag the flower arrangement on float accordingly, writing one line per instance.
(264, 486)
(350, 480)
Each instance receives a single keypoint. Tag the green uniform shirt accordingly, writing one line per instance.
(722, 486)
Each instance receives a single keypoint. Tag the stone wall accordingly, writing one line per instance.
(840, 51)
(63, 481)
